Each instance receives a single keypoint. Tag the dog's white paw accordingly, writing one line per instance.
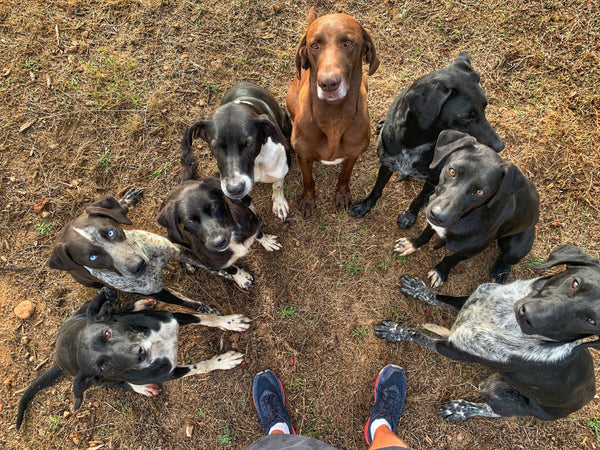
(147, 390)
(233, 322)
(243, 279)
(144, 304)
(281, 208)
(404, 247)
(435, 278)
(270, 242)
(226, 360)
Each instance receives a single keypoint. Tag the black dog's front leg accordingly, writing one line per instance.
(393, 332)
(407, 218)
(362, 207)
(406, 246)
(415, 288)
(439, 274)
(175, 298)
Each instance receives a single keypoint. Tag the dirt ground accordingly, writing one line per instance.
(94, 98)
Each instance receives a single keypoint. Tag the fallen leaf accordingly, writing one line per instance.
(41, 203)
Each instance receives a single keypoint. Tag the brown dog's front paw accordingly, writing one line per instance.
(307, 206)
(343, 199)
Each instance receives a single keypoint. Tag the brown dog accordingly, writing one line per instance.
(328, 100)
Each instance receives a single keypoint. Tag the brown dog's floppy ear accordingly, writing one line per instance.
(302, 61)
(512, 181)
(108, 207)
(570, 255)
(449, 141)
(369, 53)
(61, 259)
(168, 218)
(425, 102)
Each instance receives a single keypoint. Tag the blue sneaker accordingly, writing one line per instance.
(269, 400)
(390, 392)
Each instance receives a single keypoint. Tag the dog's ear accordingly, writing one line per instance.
(61, 258)
(302, 61)
(570, 255)
(102, 308)
(197, 130)
(80, 383)
(369, 53)
(267, 129)
(425, 102)
(168, 217)
(512, 181)
(108, 207)
(449, 141)
(463, 62)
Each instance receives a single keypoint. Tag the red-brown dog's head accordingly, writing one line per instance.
(334, 47)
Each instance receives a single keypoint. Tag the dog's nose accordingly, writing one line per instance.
(330, 83)
(236, 188)
(142, 353)
(138, 266)
(219, 243)
(438, 216)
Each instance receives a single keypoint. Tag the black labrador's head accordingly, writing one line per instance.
(93, 239)
(565, 306)
(198, 208)
(236, 135)
(451, 98)
(472, 175)
(107, 347)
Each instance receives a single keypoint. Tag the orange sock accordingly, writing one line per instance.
(384, 437)
(276, 432)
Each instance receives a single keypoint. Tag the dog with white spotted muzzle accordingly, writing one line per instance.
(534, 334)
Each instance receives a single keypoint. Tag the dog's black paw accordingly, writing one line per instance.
(132, 196)
(406, 220)
(456, 410)
(415, 288)
(360, 208)
(110, 295)
(500, 273)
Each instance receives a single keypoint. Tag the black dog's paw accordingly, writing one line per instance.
(132, 196)
(110, 295)
(360, 208)
(415, 288)
(406, 220)
(500, 273)
(392, 332)
(456, 410)
(205, 309)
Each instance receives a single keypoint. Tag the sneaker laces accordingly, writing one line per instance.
(270, 406)
(389, 400)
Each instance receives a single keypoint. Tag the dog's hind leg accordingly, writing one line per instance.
(362, 207)
(175, 298)
(407, 218)
(233, 322)
(224, 361)
(131, 197)
(513, 248)
(415, 288)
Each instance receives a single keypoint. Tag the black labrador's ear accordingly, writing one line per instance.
(102, 308)
(425, 102)
(267, 129)
(463, 62)
(368, 51)
(512, 181)
(168, 217)
(197, 130)
(61, 258)
(448, 142)
(108, 207)
(80, 383)
(570, 255)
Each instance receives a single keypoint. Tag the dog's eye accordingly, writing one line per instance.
(110, 233)
(102, 367)
(107, 334)
(314, 46)
(480, 192)
(213, 206)
(592, 322)
(575, 284)
(93, 257)
(452, 172)
(348, 43)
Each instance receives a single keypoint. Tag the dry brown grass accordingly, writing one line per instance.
(116, 82)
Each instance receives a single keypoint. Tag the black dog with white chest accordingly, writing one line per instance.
(534, 334)
(479, 198)
(218, 230)
(249, 136)
(131, 349)
(447, 99)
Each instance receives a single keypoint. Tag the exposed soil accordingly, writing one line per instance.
(94, 98)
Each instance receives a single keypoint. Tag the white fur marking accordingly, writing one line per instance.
(441, 231)
(333, 162)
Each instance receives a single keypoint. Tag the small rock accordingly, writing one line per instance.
(189, 427)
(24, 310)
(25, 340)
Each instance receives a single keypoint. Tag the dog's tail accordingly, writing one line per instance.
(189, 165)
(43, 381)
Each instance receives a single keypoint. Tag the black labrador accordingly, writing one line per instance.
(534, 334)
(450, 98)
(479, 198)
(249, 136)
(131, 349)
(98, 252)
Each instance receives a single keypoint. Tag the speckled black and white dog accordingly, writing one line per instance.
(97, 252)
(534, 333)
(131, 349)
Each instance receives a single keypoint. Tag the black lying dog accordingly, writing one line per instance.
(450, 98)
(132, 349)
(249, 137)
(534, 333)
(479, 198)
